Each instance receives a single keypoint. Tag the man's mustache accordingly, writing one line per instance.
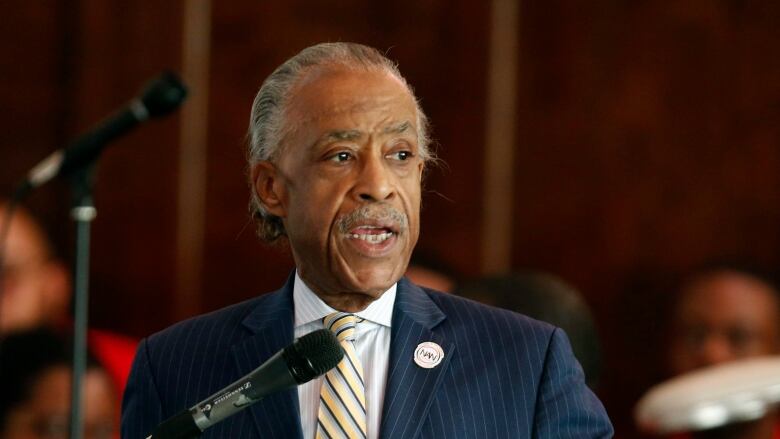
(383, 213)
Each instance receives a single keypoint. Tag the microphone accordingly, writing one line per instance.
(307, 358)
(160, 97)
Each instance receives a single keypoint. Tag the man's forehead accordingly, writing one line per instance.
(335, 74)
(728, 308)
(727, 287)
(330, 92)
(394, 110)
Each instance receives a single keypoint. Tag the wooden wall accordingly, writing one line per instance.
(647, 142)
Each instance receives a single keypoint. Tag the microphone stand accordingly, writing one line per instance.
(162, 96)
(82, 213)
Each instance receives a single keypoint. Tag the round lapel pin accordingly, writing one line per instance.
(428, 355)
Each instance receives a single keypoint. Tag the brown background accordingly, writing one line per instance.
(647, 135)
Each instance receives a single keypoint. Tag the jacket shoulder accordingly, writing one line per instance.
(213, 329)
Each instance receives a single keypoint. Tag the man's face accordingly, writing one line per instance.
(724, 317)
(347, 183)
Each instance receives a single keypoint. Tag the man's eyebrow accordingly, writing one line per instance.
(341, 135)
(397, 128)
(336, 135)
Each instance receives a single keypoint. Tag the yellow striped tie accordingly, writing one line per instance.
(342, 397)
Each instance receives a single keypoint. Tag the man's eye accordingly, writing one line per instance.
(340, 157)
(401, 155)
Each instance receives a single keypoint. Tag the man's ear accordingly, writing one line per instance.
(269, 187)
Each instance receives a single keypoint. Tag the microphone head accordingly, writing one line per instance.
(312, 355)
(163, 95)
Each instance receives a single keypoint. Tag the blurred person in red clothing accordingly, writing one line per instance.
(36, 291)
(724, 314)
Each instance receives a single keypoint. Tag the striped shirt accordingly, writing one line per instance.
(372, 343)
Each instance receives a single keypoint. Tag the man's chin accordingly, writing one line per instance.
(374, 283)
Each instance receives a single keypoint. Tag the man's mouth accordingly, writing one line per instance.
(372, 234)
(373, 230)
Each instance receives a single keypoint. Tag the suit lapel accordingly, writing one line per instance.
(410, 388)
(271, 322)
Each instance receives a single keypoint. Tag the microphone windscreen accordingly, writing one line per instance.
(164, 94)
(719, 395)
(312, 355)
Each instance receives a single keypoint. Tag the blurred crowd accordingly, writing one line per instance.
(35, 347)
(720, 314)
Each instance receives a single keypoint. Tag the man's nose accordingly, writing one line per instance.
(374, 181)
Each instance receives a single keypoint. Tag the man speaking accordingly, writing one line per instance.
(338, 149)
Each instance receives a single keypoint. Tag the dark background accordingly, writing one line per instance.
(647, 136)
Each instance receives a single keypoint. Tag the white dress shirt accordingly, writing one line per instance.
(372, 343)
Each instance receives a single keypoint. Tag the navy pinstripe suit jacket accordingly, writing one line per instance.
(503, 374)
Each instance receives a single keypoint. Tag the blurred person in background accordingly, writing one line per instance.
(35, 381)
(430, 272)
(36, 285)
(723, 314)
(547, 298)
(36, 291)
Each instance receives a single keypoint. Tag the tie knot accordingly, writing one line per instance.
(342, 324)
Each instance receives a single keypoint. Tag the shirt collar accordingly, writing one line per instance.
(309, 307)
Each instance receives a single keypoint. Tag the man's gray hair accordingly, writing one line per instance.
(268, 124)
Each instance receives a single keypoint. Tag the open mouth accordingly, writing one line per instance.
(373, 231)
(372, 234)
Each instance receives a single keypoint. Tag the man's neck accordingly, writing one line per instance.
(310, 307)
(346, 301)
